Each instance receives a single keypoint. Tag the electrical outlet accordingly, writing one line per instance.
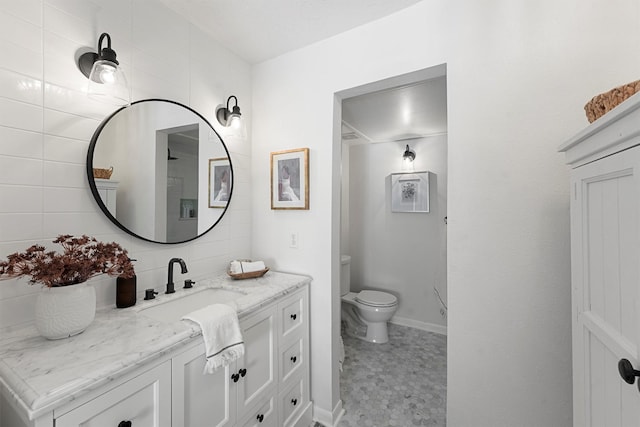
(293, 240)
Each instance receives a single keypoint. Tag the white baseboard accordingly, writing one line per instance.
(429, 327)
(327, 418)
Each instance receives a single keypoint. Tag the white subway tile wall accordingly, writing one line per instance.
(47, 121)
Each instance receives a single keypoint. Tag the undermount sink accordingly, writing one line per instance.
(173, 309)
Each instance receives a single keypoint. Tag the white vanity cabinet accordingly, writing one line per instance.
(144, 401)
(605, 249)
(267, 387)
(151, 374)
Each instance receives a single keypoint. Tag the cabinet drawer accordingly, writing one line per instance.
(144, 400)
(293, 314)
(292, 401)
(292, 359)
(265, 416)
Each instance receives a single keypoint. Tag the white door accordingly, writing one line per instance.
(200, 399)
(606, 282)
(258, 366)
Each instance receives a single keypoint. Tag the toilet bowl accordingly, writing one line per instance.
(365, 313)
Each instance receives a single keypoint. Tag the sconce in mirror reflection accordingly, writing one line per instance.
(107, 82)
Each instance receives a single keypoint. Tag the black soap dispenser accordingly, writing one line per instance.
(125, 292)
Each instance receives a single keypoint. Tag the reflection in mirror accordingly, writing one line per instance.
(160, 152)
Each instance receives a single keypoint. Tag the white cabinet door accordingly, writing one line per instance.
(144, 401)
(202, 399)
(606, 282)
(258, 367)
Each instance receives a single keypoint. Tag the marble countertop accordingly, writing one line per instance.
(40, 375)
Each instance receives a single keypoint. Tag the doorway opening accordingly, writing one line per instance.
(403, 253)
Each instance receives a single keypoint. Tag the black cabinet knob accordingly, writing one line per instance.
(125, 424)
(294, 402)
(260, 417)
(242, 372)
(293, 359)
(235, 377)
(294, 316)
(627, 373)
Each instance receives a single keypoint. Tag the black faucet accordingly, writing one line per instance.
(183, 270)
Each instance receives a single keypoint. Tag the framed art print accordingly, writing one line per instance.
(410, 192)
(219, 182)
(290, 179)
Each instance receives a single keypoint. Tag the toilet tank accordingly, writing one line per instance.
(345, 274)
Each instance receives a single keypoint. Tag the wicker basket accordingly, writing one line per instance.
(102, 173)
(250, 275)
(605, 102)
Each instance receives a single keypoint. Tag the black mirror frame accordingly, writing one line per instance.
(94, 189)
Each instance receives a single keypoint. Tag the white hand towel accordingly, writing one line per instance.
(221, 333)
(237, 267)
(248, 267)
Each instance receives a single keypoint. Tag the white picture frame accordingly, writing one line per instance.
(410, 192)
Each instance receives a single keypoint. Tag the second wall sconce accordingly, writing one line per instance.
(107, 82)
(227, 117)
(230, 118)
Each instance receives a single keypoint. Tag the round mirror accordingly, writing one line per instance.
(160, 171)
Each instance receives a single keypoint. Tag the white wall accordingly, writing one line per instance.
(518, 74)
(400, 253)
(46, 122)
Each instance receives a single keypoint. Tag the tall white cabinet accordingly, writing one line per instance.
(605, 267)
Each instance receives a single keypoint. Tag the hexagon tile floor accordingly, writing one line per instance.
(401, 383)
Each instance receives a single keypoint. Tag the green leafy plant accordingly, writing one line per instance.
(82, 258)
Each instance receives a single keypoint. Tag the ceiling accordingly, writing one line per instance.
(257, 30)
(412, 111)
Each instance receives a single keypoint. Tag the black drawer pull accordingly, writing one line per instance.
(294, 316)
(260, 417)
(125, 424)
(242, 372)
(235, 377)
(294, 359)
(294, 402)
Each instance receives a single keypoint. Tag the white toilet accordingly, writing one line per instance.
(367, 312)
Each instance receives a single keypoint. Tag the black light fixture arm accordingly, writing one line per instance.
(106, 53)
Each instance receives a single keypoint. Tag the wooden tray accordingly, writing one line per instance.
(250, 275)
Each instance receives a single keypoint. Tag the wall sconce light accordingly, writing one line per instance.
(408, 156)
(226, 117)
(230, 118)
(107, 82)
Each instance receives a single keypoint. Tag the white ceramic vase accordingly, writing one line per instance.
(62, 312)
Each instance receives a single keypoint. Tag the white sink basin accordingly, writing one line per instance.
(173, 309)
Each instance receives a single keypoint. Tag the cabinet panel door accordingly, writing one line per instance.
(145, 401)
(259, 359)
(201, 399)
(606, 283)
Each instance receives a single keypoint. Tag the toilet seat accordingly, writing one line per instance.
(376, 298)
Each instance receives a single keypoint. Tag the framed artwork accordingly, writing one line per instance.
(219, 182)
(290, 179)
(410, 192)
